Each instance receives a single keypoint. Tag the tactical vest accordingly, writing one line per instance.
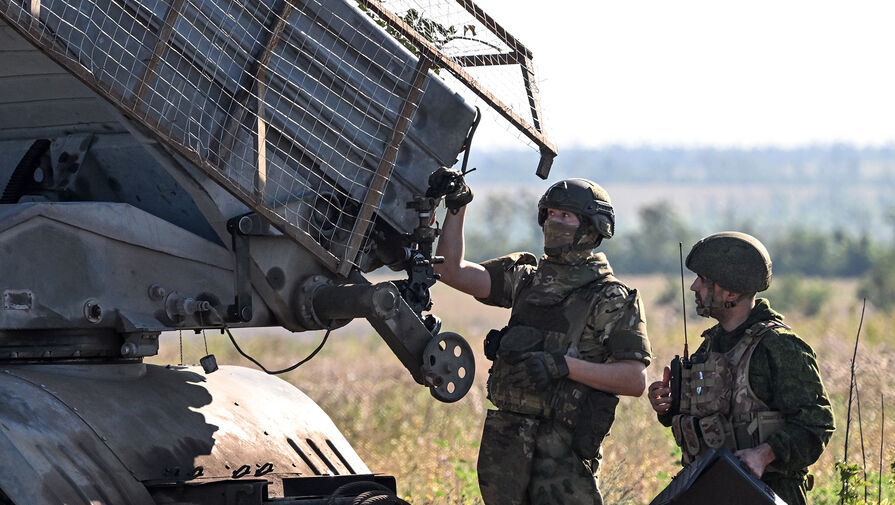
(718, 407)
(554, 328)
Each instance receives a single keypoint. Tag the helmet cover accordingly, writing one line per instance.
(735, 261)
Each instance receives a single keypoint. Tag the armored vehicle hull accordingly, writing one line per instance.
(132, 433)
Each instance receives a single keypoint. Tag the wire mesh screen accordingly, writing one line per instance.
(465, 34)
(479, 52)
(297, 107)
(290, 105)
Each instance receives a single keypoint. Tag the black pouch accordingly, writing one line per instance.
(595, 419)
(492, 342)
(505, 457)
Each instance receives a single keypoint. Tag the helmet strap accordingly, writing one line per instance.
(710, 306)
(706, 309)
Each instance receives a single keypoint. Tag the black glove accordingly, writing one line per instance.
(450, 184)
(538, 369)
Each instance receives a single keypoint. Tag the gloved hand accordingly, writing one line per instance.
(450, 184)
(537, 369)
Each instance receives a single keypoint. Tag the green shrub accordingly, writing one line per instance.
(793, 294)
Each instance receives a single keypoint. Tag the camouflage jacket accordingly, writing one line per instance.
(616, 327)
(783, 373)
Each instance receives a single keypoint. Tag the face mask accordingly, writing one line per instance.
(558, 237)
(561, 245)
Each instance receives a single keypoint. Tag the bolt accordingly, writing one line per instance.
(245, 225)
(92, 311)
(156, 292)
(128, 349)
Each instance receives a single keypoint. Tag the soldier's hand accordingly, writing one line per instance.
(660, 393)
(539, 369)
(450, 184)
(757, 458)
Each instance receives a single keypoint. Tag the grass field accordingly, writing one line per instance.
(431, 447)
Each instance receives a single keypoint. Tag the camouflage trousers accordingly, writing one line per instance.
(792, 489)
(558, 475)
(527, 461)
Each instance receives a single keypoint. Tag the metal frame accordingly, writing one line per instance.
(521, 55)
(384, 170)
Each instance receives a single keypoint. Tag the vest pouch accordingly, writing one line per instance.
(709, 386)
(754, 428)
(508, 441)
(592, 423)
(769, 422)
(716, 431)
(520, 338)
(684, 428)
(507, 396)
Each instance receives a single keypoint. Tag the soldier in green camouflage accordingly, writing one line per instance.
(576, 340)
(753, 385)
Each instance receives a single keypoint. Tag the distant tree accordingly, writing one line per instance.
(792, 293)
(654, 247)
(502, 223)
(878, 285)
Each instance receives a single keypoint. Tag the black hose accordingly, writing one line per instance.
(277, 372)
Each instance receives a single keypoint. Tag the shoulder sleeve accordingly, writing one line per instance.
(621, 319)
(506, 273)
(799, 393)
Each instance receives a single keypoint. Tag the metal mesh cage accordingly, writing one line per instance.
(296, 107)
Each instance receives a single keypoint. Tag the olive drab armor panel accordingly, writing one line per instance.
(718, 407)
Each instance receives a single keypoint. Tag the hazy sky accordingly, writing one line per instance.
(689, 72)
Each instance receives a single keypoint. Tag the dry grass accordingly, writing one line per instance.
(397, 428)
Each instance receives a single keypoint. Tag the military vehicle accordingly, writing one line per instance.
(217, 164)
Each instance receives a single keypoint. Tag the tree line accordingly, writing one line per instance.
(507, 222)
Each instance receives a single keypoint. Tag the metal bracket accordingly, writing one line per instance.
(241, 228)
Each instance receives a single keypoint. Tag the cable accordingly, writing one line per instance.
(277, 372)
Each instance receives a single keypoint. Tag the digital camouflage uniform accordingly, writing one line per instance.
(555, 435)
(783, 376)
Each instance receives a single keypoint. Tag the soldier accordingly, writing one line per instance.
(575, 340)
(753, 385)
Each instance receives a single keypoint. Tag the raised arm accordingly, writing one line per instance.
(456, 272)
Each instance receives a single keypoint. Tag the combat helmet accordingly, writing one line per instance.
(585, 198)
(735, 261)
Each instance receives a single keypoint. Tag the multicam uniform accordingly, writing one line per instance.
(758, 383)
(555, 435)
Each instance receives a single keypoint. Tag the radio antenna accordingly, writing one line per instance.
(683, 301)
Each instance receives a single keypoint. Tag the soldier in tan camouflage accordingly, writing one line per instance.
(753, 385)
(576, 340)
